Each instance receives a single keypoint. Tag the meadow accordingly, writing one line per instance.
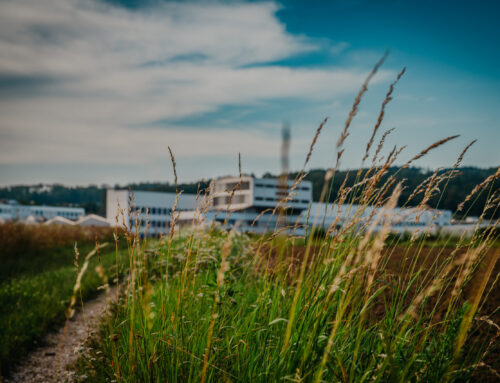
(352, 303)
(37, 277)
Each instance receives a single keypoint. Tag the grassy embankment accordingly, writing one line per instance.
(353, 305)
(37, 277)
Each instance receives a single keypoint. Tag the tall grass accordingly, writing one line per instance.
(350, 304)
(34, 248)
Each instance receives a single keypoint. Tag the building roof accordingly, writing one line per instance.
(58, 220)
(93, 220)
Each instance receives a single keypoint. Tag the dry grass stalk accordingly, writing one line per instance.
(461, 156)
(381, 144)
(425, 186)
(71, 308)
(233, 191)
(354, 109)
(465, 271)
(282, 203)
(174, 166)
(375, 179)
(79, 277)
(432, 187)
(388, 98)
(313, 143)
(479, 187)
(343, 191)
(493, 202)
(173, 216)
(260, 215)
(428, 149)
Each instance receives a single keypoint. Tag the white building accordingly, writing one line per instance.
(248, 205)
(323, 215)
(13, 211)
(155, 208)
(256, 198)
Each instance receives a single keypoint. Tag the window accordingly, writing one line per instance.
(238, 199)
(244, 185)
(269, 199)
(220, 200)
(258, 198)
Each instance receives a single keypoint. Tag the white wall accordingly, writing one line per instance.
(261, 192)
(158, 206)
(21, 212)
(115, 200)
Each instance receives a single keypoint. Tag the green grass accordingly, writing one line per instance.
(34, 301)
(181, 319)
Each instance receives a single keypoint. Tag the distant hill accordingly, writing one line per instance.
(92, 197)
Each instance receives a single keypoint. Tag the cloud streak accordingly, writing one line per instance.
(87, 81)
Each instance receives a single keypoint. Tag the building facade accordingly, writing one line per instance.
(402, 220)
(257, 205)
(248, 203)
(15, 212)
(135, 209)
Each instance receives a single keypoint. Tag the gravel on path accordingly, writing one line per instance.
(60, 349)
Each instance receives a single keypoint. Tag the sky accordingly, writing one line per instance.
(94, 91)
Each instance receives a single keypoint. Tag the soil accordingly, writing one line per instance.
(51, 362)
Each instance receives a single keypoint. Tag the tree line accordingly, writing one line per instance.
(93, 198)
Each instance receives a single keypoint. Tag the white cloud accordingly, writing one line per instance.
(115, 71)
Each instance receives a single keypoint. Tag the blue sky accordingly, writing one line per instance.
(94, 91)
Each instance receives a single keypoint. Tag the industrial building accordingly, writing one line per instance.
(325, 216)
(136, 208)
(12, 211)
(254, 198)
(257, 205)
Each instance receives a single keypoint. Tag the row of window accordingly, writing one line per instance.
(152, 223)
(153, 210)
(420, 223)
(274, 199)
(271, 186)
(245, 185)
(66, 214)
(224, 200)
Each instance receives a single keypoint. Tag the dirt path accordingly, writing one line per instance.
(49, 362)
